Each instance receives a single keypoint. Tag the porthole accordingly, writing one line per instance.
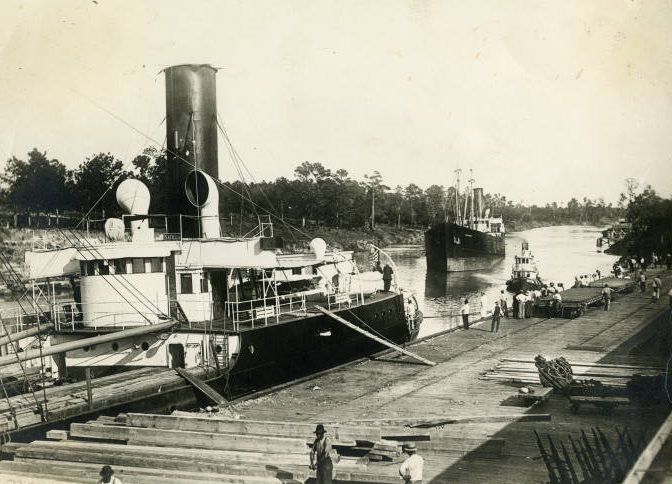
(218, 349)
(251, 348)
(86, 348)
(115, 346)
(144, 346)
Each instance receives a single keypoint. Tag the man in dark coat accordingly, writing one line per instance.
(387, 277)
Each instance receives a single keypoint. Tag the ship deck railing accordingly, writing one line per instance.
(68, 318)
(267, 311)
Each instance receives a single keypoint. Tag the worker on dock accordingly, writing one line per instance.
(387, 277)
(411, 469)
(496, 317)
(606, 296)
(465, 314)
(522, 299)
(503, 303)
(642, 281)
(320, 456)
(107, 476)
(656, 285)
(484, 305)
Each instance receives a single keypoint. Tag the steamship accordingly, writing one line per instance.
(179, 294)
(524, 272)
(473, 240)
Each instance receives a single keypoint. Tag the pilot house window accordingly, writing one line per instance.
(138, 266)
(156, 263)
(186, 284)
(119, 266)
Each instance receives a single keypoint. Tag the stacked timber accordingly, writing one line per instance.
(524, 372)
(62, 402)
(183, 448)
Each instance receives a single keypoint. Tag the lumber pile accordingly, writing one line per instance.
(187, 448)
(524, 372)
(66, 401)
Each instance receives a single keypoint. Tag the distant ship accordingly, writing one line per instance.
(470, 241)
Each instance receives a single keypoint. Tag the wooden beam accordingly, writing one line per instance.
(375, 338)
(420, 422)
(89, 391)
(90, 473)
(181, 438)
(213, 423)
(540, 417)
(180, 458)
(202, 387)
(56, 434)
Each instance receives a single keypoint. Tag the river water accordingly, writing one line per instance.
(561, 253)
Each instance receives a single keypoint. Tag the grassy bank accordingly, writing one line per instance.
(354, 239)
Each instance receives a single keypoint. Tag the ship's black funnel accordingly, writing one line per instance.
(191, 131)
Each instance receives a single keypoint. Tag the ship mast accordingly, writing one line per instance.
(458, 219)
(471, 204)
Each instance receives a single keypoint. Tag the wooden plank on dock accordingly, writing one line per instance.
(181, 438)
(212, 423)
(375, 338)
(56, 434)
(203, 387)
(436, 422)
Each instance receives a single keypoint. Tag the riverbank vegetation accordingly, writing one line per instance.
(314, 197)
(651, 219)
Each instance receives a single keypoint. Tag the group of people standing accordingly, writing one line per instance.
(321, 461)
(499, 311)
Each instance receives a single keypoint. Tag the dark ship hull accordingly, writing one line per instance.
(279, 353)
(523, 284)
(451, 247)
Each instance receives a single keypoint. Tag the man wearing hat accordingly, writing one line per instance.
(320, 458)
(107, 476)
(411, 469)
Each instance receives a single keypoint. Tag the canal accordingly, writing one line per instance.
(561, 253)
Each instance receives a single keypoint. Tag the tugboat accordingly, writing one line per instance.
(469, 241)
(524, 274)
(171, 291)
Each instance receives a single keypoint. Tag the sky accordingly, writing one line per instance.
(543, 100)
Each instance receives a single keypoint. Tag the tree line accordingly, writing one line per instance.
(651, 219)
(314, 195)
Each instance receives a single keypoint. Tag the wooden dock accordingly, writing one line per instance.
(469, 429)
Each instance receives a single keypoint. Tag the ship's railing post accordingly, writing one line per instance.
(265, 312)
(252, 313)
(277, 309)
